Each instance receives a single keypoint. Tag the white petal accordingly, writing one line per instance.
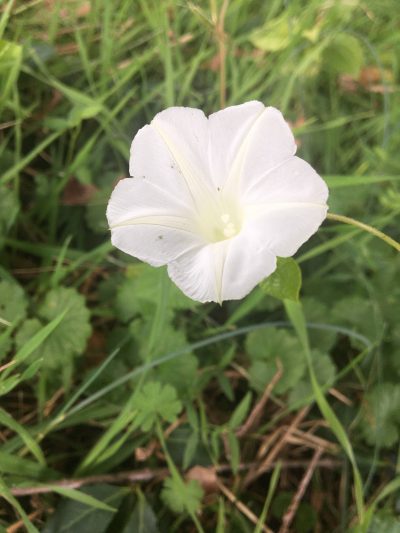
(151, 160)
(227, 270)
(268, 143)
(150, 223)
(195, 272)
(173, 149)
(248, 262)
(228, 131)
(285, 227)
(294, 180)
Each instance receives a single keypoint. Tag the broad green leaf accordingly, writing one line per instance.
(343, 55)
(361, 315)
(143, 518)
(325, 372)
(73, 516)
(276, 34)
(264, 348)
(69, 338)
(305, 518)
(317, 312)
(381, 415)
(383, 522)
(13, 301)
(38, 335)
(285, 282)
(182, 377)
(182, 497)
(155, 401)
(141, 292)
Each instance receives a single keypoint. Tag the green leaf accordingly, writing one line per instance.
(361, 315)
(156, 401)
(325, 372)
(182, 497)
(10, 63)
(13, 301)
(381, 415)
(344, 55)
(73, 516)
(25, 436)
(6, 493)
(240, 413)
(13, 464)
(234, 451)
(143, 518)
(140, 293)
(82, 497)
(9, 208)
(190, 449)
(96, 211)
(276, 34)
(264, 348)
(306, 517)
(69, 338)
(384, 523)
(285, 282)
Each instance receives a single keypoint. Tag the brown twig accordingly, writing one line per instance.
(257, 411)
(148, 474)
(20, 524)
(294, 504)
(241, 506)
(255, 473)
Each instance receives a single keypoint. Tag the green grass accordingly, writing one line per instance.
(113, 384)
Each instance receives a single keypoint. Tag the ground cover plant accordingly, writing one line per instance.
(125, 405)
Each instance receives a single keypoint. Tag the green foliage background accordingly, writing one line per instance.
(105, 367)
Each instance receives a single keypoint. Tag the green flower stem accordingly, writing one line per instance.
(370, 229)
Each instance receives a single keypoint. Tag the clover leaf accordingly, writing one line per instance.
(156, 401)
(13, 301)
(70, 337)
(264, 348)
(381, 415)
(140, 293)
(325, 372)
(182, 497)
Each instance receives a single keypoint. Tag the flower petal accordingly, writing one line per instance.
(285, 227)
(294, 180)
(226, 270)
(173, 149)
(228, 131)
(150, 223)
(268, 143)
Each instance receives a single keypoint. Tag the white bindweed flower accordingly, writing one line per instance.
(216, 199)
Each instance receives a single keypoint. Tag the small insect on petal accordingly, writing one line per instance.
(223, 197)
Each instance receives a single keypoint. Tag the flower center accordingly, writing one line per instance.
(220, 222)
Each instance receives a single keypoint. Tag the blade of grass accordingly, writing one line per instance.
(295, 313)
